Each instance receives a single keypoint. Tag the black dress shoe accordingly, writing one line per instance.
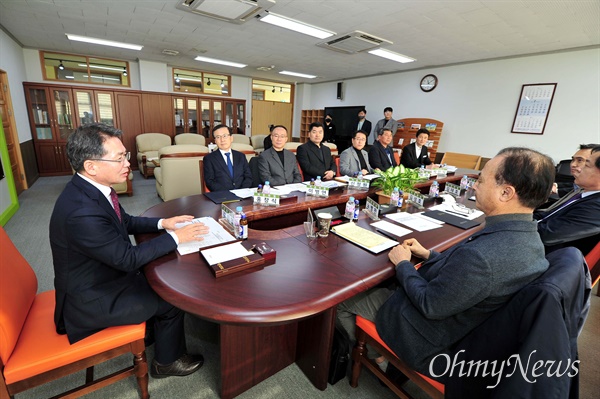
(185, 365)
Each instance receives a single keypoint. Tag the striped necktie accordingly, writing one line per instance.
(115, 201)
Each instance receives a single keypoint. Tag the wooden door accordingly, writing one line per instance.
(130, 121)
(10, 133)
(265, 113)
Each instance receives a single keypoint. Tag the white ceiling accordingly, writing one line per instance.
(436, 33)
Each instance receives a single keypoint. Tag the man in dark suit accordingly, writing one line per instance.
(439, 303)
(314, 157)
(98, 272)
(224, 168)
(415, 154)
(574, 219)
(363, 124)
(381, 153)
(277, 165)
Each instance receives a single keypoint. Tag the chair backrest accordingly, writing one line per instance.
(241, 139)
(190, 138)
(18, 287)
(593, 261)
(182, 149)
(459, 160)
(258, 142)
(241, 147)
(179, 174)
(336, 158)
(151, 141)
(332, 147)
(292, 146)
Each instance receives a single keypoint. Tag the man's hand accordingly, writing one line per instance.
(364, 172)
(328, 175)
(171, 222)
(416, 248)
(399, 253)
(191, 232)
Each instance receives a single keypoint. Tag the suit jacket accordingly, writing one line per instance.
(311, 161)
(410, 159)
(349, 163)
(270, 168)
(392, 124)
(97, 270)
(366, 127)
(543, 320)
(216, 173)
(452, 293)
(577, 224)
(378, 157)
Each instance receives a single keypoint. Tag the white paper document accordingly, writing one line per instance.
(414, 221)
(328, 183)
(364, 238)
(288, 188)
(369, 177)
(216, 235)
(455, 210)
(244, 192)
(391, 228)
(224, 253)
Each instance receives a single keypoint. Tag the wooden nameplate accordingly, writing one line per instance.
(254, 261)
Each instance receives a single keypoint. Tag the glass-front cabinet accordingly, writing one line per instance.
(186, 115)
(235, 117)
(51, 117)
(95, 106)
(200, 115)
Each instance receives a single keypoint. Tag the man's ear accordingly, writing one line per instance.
(90, 168)
(508, 193)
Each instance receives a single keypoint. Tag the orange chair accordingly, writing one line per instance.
(397, 157)
(593, 261)
(32, 353)
(337, 164)
(366, 333)
(300, 170)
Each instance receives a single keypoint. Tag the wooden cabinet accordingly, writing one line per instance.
(186, 114)
(235, 115)
(407, 130)
(309, 116)
(51, 117)
(94, 106)
(128, 107)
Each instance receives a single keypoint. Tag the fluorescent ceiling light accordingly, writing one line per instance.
(390, 55)
(103, 42)
(302, 75)
(297, 26)
(102, 67)
(220, 62)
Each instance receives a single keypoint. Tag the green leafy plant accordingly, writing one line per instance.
(398, 176)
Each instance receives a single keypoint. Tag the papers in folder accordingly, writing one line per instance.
(363, 237)
(216, 235)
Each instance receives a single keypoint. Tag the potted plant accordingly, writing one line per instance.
(397, 176)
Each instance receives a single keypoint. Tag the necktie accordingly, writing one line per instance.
(229, 164)
(115, 201)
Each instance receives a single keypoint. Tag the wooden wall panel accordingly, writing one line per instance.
(265, 113)
(130, 117)
(159, 116)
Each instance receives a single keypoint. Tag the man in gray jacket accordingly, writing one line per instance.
(276, 165)
(355, 159)
(450, 294)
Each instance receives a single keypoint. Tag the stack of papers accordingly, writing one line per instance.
(223, 253)
(450, 208)
(415, 221)
(363, 237)
(216, 235)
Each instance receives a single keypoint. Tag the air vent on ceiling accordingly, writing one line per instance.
(170, 52)
(354, 42)
(235, 11)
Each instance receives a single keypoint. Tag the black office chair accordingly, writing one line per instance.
(564, 179)
(254, 170)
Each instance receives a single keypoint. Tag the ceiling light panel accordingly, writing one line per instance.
(296, 26)
(103, 42)
(390, 55)
(301, 75)
(220, 62)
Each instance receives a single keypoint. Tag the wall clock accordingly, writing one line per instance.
(429, 82)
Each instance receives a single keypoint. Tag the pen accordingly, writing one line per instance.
(229, 201)
(456, 213)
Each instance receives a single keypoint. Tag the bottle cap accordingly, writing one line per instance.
(239, 209)
(351, 199)
(266, 182)
(396, 189)
(318, 177)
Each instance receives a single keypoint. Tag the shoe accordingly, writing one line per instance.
(185, 365)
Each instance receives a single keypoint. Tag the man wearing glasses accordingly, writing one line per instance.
(355, 159)
(276, 165)
(226, 169)
(98, 272)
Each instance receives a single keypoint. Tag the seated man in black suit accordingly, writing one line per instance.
(415, 154)
(564, 182)
(574, 219)
(277, 165)
(315, 158)
(224, 168)
(381, 153)
(98, 272)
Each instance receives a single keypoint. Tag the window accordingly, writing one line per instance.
(83, 69)
(189, 81)
(271, 91)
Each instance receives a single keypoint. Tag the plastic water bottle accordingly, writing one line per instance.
(243, 227)
(267, 188)
(356, 211)
(400, 198)
(259, 189)
(359, 175)
(312, 182)
(349, 214)
(318, 181)
(464, 182)
(422, 171)
(394, 197)
(434, 190)
(236, 221)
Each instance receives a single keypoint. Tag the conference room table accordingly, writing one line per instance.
(273, 316)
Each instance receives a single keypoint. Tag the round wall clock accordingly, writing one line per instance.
(429, 82)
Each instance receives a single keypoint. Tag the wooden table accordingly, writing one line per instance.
(283, 313)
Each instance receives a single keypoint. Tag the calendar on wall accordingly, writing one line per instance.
(533, 108)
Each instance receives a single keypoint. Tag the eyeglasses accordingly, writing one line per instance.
(222, 137)
(122, 159)
(278, 136)
(359, 140)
